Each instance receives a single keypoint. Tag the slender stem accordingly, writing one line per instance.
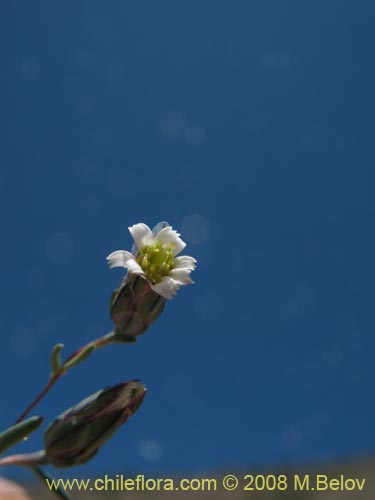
(41, 395)
(25, 459)
(97, 343)
(43, 475)
(33, 461)
(100, 342)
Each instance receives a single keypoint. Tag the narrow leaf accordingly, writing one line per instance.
(76, 360)
(18, 432)
(55, 358)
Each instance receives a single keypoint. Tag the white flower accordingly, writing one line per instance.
(156, 260)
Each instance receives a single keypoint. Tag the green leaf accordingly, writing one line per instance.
(55, 358)
(18, 432)
(77, 359)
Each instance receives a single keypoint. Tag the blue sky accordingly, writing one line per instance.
(248, 126)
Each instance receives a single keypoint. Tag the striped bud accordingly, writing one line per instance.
(75, 437)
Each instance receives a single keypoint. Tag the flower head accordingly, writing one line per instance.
(154, 258)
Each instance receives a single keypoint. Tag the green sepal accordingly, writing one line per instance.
(18, 432)
(76, 360)
(55, 358)
(134, 307)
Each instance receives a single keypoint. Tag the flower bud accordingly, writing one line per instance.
(75, 437)
(134, 307)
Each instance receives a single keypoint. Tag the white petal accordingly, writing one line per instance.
(167, 287)
(135, 268)
(171, 237)
(141, 234)
(181, 275)
(179, 246)
(166, 235)
(184, 262)
(120, 258)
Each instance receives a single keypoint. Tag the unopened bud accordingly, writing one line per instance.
(75, 437)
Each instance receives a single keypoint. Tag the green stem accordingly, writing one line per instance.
(33, 461)
(97, 344)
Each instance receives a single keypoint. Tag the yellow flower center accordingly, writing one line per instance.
(156, 261)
